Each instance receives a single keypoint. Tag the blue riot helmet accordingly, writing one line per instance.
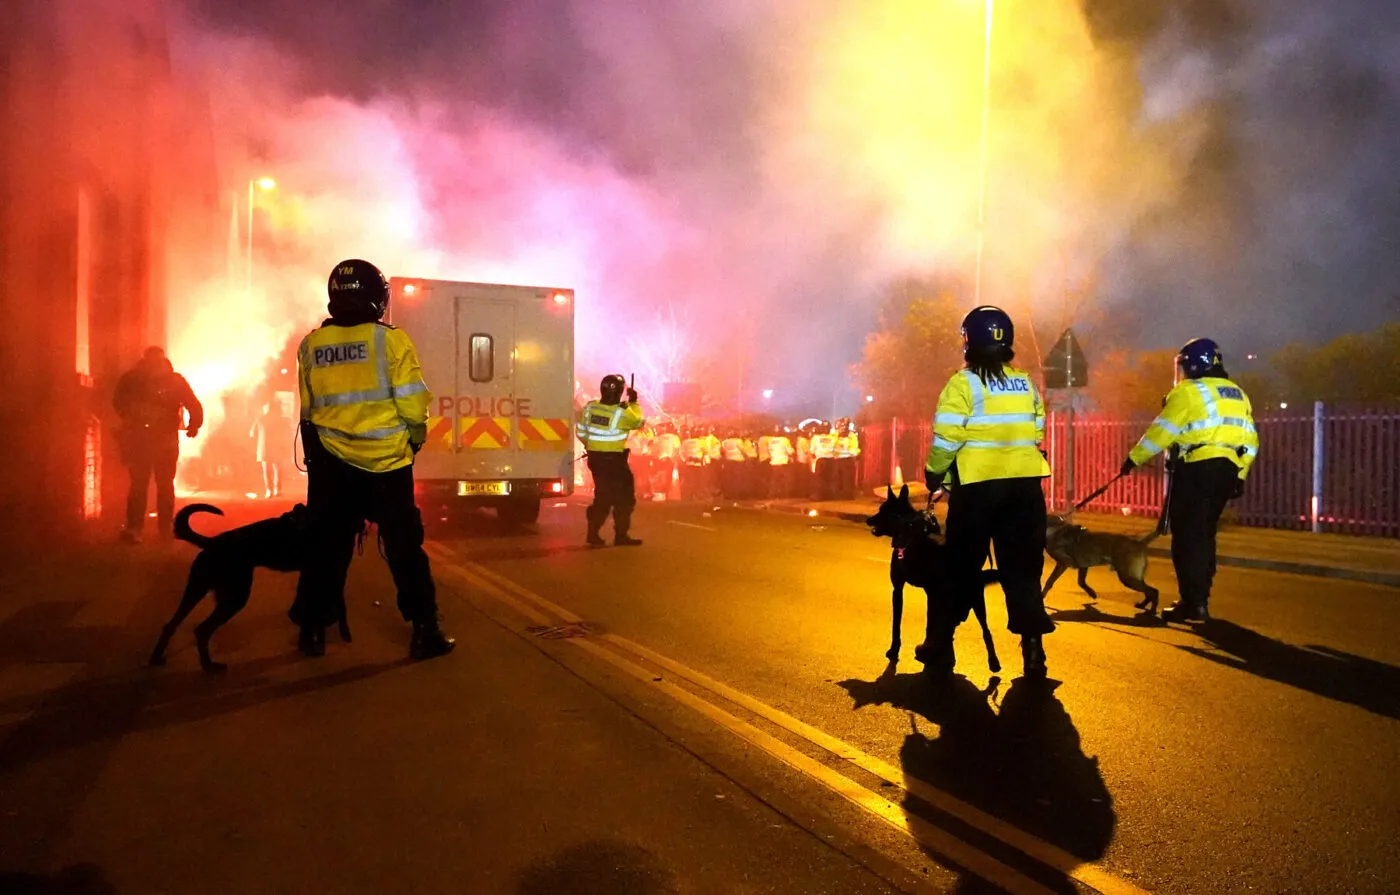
(1198, 358)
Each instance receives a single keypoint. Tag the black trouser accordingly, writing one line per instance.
(144, 459)
(780, 481)
(1009, 515)
(339, 499)
(1199, 494)
(614, 491)
(693, 481)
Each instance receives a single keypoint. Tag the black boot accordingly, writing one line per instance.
(936, 652)
(594, 538)
(312, 641)
(1032, 656)
(1181, 611)
(429, 641)
(626, 541)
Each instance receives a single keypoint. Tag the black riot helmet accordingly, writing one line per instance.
(610, 389)
(359, 292)
(987, 327)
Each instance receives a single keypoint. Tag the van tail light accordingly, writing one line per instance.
(556, 487)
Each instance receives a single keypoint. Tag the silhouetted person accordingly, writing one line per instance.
(272, 432)
(152, 399)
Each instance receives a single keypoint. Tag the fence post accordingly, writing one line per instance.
(1069, 452)
(896, 474)
(1317, 467)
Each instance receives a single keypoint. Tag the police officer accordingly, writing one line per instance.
(151, 399)
(1210, 422)
(603, 427)
(987, 431)
(364, 411)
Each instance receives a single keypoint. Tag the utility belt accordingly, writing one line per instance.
(1240, 450)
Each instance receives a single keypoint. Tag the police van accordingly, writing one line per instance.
(499, 361)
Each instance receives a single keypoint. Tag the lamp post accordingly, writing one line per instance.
(263, 183)
(982, 173)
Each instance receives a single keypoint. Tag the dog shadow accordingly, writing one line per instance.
(1090, 612)
(1017, 758)
(1323, 671)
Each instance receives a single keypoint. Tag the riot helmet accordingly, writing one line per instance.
(1200, 357)
(359, 292)
(611, 388)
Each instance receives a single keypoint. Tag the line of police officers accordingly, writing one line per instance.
(988, 432)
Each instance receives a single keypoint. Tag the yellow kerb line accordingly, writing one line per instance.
(922, 831)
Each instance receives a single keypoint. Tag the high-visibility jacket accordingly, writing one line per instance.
(362, 388)
(733, 450)
(693, 452)
(639, 441)
(1209, 418)
(853, 444)
(804, 449)
(763, 447)
(823, 446)
(711, 445)
(604, 427)
(843, 447)
(779, 450)
(993, 430)
(747, 446)
(668, 445)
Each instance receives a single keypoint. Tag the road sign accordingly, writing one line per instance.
(1065, 366)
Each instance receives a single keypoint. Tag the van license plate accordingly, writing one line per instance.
(466, 489)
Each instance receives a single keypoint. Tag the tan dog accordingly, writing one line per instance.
(1076, 547)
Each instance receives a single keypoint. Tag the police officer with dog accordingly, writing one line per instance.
(1208, 422)
(364, 412)
(987, 431)
(603, 427)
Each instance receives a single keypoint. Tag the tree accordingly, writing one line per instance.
(907, 360)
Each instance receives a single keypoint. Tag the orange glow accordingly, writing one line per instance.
(560, 298)
(409, 289)
(267, 183)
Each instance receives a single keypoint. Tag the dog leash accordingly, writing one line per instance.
(1107, 485)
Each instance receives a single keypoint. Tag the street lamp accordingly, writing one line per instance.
(767, 394)
(982, 172)
(264, 184)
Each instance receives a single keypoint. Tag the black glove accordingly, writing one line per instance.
(1127, 467)
(631, 396)
(416, 445)
(934, 480)
(1237, 489)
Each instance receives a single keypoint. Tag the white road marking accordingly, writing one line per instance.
(691, 525)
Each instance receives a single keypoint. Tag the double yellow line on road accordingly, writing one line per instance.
(615, 651)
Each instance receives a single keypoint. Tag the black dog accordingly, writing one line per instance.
(917, 558)
(225, 566)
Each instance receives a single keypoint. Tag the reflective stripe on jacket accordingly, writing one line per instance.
(733, 450)
(362, 388)
(1210, 418)
(693, 451)
(993, 430)
(604, 427)
(823, 447)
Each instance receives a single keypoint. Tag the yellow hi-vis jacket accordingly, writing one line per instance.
(363, 389)
(604, 427)
(1210, 418)
(993, 430)
(693, 452)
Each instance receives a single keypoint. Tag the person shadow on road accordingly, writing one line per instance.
(1020, 762)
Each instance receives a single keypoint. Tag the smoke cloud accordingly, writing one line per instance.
(758, 169)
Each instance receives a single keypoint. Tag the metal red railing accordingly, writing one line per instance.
(1324, 469)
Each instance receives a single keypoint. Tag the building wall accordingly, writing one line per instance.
(92, 179)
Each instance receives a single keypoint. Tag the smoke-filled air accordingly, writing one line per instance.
(735, 182)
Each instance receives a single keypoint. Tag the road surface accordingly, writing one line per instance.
(711, 712)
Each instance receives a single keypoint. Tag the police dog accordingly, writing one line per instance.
(225, 566)
(1076, 547)
(918, 559)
